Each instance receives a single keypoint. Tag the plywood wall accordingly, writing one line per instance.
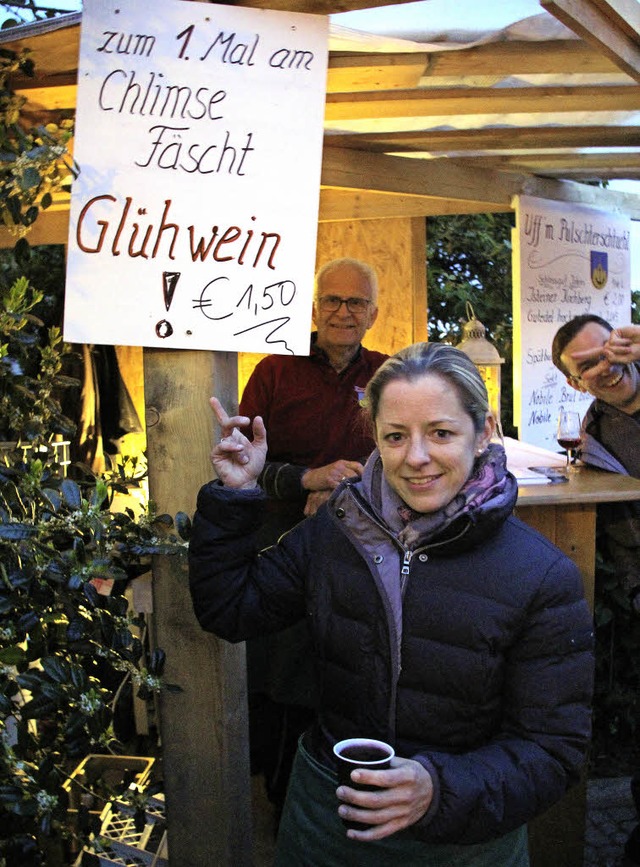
(397, 250)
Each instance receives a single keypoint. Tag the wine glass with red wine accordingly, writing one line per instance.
(568, 434)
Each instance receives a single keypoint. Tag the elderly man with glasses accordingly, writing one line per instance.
(311, 408)
(311, 404)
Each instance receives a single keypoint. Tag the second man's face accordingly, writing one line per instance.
(342, 328)
(617, 385)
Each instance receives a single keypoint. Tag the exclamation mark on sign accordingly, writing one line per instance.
(169, 282)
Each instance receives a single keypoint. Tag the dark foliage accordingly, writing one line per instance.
(469, 260)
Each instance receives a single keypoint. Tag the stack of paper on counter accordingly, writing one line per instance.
(521, 456)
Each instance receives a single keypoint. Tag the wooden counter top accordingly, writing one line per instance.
(586, 485)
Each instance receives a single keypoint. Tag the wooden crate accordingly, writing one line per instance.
(103, 775)
(121, 845)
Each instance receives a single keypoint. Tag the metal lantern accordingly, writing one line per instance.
(485, 357)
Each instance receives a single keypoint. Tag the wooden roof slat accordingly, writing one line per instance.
(565, 163)
(494, 138)
(480, 100)
(602, 23)
(519, 58)
(344, 204)
(49, 98)
(56, 53)
(353, 72)
(346, 168)
(60, 93)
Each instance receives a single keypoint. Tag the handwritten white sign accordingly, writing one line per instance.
(199, 141)
(568, 260)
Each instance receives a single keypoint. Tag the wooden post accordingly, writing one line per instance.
(557, 836)
(203, 727)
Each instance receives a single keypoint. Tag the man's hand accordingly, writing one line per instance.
(314, 500)
(622, 347)
(404, 797)
(236, 460)
(329, 477)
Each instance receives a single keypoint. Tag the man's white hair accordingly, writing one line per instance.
(366, 270)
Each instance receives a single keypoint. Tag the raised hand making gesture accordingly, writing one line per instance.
(237, 460)
(622, 347)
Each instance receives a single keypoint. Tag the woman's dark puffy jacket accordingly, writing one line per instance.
(489, 685)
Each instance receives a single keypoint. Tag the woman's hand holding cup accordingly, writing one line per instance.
(377, 803)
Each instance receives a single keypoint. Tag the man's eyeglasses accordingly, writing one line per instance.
(333, 303)
(577, 378)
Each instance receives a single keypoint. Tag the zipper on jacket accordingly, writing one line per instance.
(404, 572)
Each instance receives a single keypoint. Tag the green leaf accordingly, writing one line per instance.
(22, 250)
(53, 498)
(71, 493)
(13, 206)
(57, 669)
(99, 493)
(30, 680)
(79, 677)
(37, 708)
(52, 691)
(12, 655)
(183, 525)
(30, 216)
(30, 178)
(17, 532)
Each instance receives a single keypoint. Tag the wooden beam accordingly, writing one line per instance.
(480, 100)
(501, 59)
(56, 58)
(612, 26)
(419, 280)
(53, 44)
(205, 739)
(353, 72)
(362, 188)
(48, 97)
(625, 14)
(339, 205)
(590, 164)
(505, 138)
(51, 227)
(581, 194)
(592, 174)
(346, 73)
(621, 15)
(361, 170)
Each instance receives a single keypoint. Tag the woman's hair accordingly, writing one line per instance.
(432, 359)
